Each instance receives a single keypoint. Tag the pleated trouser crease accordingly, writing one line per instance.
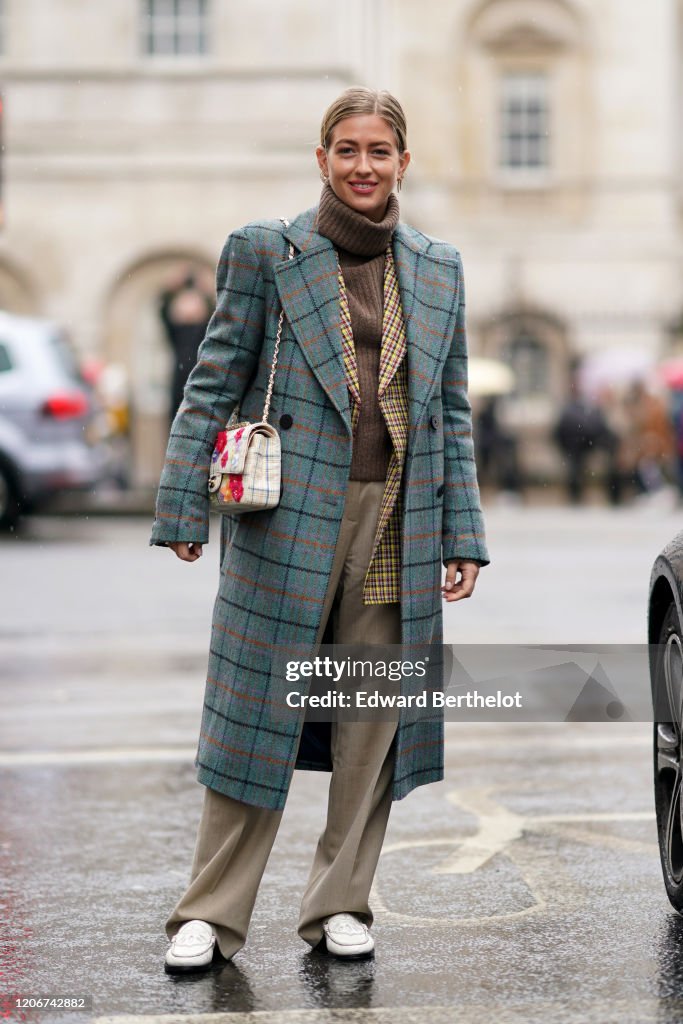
(234, 839)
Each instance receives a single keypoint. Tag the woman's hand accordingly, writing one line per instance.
(188, 552)
(469, 571)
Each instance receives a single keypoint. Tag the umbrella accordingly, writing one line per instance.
(613, 367)
(489, 377)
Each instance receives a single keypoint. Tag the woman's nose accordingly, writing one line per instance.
(363, 164)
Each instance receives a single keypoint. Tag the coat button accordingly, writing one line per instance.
(439, 491)
(286, 421)
(434, 422)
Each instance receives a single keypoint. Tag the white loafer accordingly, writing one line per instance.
(347, 937)
(191, 948)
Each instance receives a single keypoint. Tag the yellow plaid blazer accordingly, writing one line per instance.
(383, 579)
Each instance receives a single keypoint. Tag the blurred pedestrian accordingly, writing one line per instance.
(580, 430)
(185, 309)
(497, 450)
(374, 340)
(614, 443)
(676, 400)
(650, 439)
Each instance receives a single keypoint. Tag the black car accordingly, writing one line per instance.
(665, 635)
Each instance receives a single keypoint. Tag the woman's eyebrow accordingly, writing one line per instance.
(383, 142)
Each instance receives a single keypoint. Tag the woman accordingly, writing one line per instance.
(378, 486)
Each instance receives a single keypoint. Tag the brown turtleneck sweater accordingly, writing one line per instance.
(361, 243)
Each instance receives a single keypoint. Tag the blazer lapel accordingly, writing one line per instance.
(394, 341)
(308, 287)
(348, 348)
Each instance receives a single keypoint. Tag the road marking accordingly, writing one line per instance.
(561, 1011)
(499, 826)
(502, 831)
(137, 754)
(116, 755)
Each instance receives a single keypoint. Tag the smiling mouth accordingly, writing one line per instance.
(363, 186)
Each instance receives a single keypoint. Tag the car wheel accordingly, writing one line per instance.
(9, 500)
(667, 685)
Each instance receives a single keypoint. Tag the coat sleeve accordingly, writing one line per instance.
(226, 360)
(463, 523)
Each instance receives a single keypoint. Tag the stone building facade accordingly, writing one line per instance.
(545, 137)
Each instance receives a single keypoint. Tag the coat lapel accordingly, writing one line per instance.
(309, 291)
(308, 287)
(429, 299)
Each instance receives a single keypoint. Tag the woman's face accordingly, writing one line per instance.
(363, 163)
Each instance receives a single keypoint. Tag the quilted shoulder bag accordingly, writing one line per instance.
(245, 470)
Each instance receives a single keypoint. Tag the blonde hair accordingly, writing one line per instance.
(360, 100)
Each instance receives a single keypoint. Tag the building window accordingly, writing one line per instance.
(174, 27)
(528, 358)
(524, 123)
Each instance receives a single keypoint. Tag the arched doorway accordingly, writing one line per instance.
(534, 343)
(136, 339)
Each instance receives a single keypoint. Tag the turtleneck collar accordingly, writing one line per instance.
(351, 230)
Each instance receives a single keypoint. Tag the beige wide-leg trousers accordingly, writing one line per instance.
(235, 839)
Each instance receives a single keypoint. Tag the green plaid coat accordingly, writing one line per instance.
(275, 565)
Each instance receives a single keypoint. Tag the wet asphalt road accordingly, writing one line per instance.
(526, 887)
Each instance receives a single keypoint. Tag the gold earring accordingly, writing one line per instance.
(399, 182)
(323, 178)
